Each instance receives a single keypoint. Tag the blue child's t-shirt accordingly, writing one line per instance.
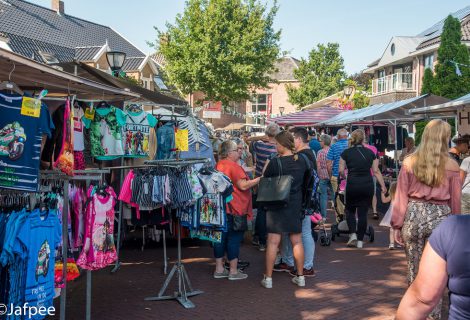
(36, 242)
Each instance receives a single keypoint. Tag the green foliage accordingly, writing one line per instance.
(446, 82)
(130, 80)
(320, 76)
(360, 100)
(363, 80)
(428, 80)
(419, 131)
(224, 48)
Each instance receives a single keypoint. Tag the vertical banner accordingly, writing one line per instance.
(270, 105)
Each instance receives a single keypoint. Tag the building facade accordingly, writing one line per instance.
(398, 73)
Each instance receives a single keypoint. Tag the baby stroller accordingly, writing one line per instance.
(341, 225)
(317, 220)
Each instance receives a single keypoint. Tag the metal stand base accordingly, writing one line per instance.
(183, 282)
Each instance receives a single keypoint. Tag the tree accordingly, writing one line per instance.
(223, 48)
(447, 83)
(320, 76)
(428, 80)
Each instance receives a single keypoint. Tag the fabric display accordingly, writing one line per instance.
(22, 125)
(78, 137)
(137, 132)
(99, 249)
(65, 160)
(166, 141)
(28, 251)
(199, 198)
(199, 143)
(106, 132)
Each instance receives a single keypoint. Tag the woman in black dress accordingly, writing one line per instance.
(361, 163)
(286, 219)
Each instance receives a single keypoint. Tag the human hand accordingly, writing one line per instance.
(384, 189)
(398, 237)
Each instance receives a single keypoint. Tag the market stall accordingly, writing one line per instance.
(308, 117)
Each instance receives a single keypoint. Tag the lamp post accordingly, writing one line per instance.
(281, 110)
(115, 61)
(348, 90)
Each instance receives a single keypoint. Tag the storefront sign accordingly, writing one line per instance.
(212, 109)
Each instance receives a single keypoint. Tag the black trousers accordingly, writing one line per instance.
(361, 224)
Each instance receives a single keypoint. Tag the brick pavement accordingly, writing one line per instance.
(350, 284)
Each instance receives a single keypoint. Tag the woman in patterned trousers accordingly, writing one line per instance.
(428, 190)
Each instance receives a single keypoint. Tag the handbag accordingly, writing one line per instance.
(274, 191)
(240, 223)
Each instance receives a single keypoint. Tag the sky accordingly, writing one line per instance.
(362, 28)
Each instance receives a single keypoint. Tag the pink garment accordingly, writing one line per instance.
(99, 250)
(78, 209)
(126, 192)
(409, 188)
(374, 150)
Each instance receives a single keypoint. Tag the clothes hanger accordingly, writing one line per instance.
(102, 104)
(9, 85)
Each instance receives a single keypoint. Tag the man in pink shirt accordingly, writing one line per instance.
(374, 199)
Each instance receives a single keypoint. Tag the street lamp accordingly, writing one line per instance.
(348, 90)
(281, 110)
(115, 60)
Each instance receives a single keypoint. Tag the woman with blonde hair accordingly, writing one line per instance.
(359, 161)
(429, 189)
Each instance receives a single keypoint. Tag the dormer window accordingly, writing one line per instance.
(49, 58)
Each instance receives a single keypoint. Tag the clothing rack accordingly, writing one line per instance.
(80, 175)
(185, 288)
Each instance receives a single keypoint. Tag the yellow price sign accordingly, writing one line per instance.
(31, 107)
(182, 140)
(90, 114)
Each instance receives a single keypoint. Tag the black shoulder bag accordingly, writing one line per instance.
(274, 191)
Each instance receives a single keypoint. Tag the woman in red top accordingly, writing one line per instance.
(428, 190)
(239, 206)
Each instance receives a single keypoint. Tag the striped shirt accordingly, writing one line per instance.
(262, 151)
(335, 154)
(322, 168)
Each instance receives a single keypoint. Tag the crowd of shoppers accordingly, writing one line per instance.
(433, 184)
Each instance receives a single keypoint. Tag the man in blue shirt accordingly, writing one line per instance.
(332, 160)
(314, 144)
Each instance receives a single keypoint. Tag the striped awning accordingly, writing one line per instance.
(307, 117)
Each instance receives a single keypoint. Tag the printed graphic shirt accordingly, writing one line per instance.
(78, 126)
(20, 143)
(137, 134)
(106, 133)
(36, 243)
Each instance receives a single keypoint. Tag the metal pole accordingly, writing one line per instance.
(117, 265)
(65, 234)
(395, 156)
(88, 295)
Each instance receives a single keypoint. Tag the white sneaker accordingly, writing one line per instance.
(352, 240)
(267, 282)
(359, 244)
(299, 280)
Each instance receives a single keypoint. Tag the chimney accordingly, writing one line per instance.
(58, 6)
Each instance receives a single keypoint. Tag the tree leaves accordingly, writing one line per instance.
(224, 48)
(320, 76)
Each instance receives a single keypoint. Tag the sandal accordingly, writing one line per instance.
(376, 216)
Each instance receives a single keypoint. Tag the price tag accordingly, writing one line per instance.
(182, 139)
(31, 107)
(90, 114)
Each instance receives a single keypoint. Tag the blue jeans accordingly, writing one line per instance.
(166, 141)
(307, 240)
(325, 187)
(230, 243)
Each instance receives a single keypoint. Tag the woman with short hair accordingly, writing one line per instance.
(428, 190)
(239, 206)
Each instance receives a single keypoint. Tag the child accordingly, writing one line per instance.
(388, 216)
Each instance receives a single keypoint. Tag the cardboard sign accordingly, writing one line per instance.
(182, 140)
(31, 107)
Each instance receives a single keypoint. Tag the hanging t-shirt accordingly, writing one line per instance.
(20, 141)
(78, 141)
(36, 242)
(137, 134)
(106, 133)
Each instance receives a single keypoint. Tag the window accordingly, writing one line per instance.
(259, 104)
(49, 58)
(159, 82)
(392, 49)
(429, 61)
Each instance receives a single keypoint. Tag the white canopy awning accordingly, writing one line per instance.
(393, 111)
(448, 107)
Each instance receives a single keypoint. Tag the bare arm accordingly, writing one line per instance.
(385, 199)
(463, 175)
(424, 293)
(378, 175)
(342, 167)
(329, 167)
(244, 184)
